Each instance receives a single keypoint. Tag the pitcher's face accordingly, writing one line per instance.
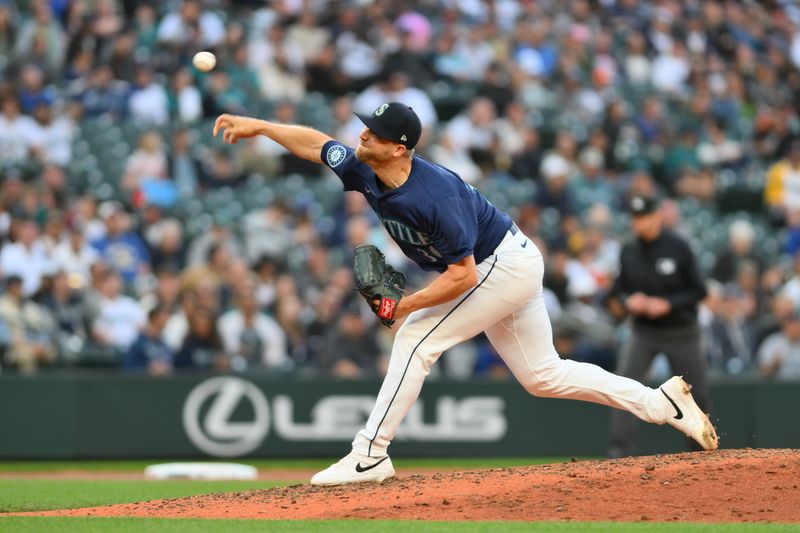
(374, 149)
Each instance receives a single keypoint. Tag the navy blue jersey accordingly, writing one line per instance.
(434, 217)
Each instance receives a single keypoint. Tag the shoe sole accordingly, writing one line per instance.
(354, 481)
(708, 438)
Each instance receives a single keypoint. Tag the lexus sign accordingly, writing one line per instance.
(209, 408)
(212, 430)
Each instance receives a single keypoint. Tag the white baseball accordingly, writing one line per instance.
(204, 61)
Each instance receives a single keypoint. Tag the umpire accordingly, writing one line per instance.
(659, 286)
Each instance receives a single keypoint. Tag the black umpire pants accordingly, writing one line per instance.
(682, 347)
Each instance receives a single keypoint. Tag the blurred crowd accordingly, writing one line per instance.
(575, 105)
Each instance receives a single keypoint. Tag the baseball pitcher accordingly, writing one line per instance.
(490, 281)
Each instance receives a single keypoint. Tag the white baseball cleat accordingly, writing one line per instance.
(688, 418)
(355, 468)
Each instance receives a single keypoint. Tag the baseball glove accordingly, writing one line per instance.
(381, 285)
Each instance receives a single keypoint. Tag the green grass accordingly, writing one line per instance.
(278, 464)
(42, 494)
(136, 525)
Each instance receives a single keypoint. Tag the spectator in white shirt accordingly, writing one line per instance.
(661, 30)
(188, 100)
(86, 216)
(512, 130)
(779, 355)
(267, 231)
(478, 49)
(474, 132)
(44, 30)
(191, 26)
(119, 317)
(278, 64)
(308, 35)
(357, 59)
(637, 65)
(54, 137)
(147, 162)
(27, 329)
(18, 133)
(26, 257)
(250, 338)
(75, 256)
(717, 150)
(671, 69)
(456, 159)
(53, 231)
(148, 102)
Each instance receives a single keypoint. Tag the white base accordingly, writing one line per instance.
(200, 471)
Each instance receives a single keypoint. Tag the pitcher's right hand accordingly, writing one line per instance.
(235, 127)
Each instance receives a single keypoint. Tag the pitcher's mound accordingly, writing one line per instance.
(725, 486)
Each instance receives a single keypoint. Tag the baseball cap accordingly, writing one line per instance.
(642, 205)
(741, 230)
(395, 122)
(553, 166)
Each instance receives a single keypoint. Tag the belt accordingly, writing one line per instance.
(513, 229)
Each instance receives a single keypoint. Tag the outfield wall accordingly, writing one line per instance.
(117, 416)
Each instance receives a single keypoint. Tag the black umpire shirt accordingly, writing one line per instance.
(665, 267)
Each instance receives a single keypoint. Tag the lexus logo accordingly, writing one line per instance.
(207, 417)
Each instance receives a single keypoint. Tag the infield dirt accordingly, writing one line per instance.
(725, 486)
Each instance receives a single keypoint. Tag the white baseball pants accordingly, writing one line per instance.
(507, 304)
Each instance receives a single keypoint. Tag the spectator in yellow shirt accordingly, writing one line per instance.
(782, 190)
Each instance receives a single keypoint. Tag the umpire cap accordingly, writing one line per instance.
(394, 122)
(642, 205)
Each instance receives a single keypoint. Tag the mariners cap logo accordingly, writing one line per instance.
(381, 109)
(642, 205)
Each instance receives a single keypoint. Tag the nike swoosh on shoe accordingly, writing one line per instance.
(677, 409)
(361, 469)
